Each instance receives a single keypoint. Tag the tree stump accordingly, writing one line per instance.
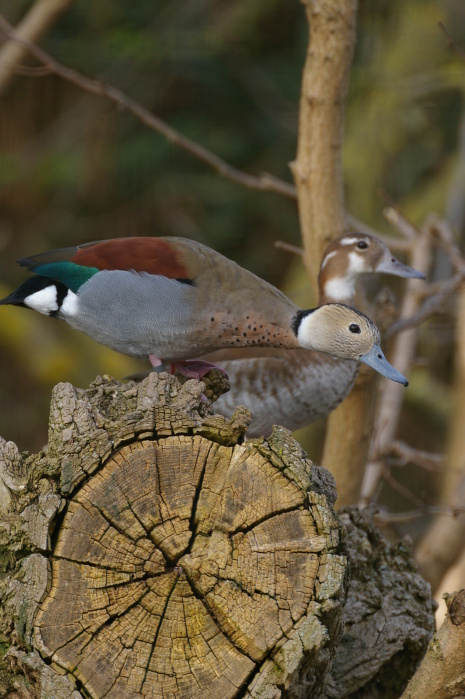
(149, 552)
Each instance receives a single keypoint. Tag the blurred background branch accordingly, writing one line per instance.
(38, 20)
(123, 101)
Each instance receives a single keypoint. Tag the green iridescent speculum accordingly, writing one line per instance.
(71, 275)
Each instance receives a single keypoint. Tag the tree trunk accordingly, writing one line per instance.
(317, 168)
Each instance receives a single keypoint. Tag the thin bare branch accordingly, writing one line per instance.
(282, 245)
(401, 489)
(398, 221)
(384, 517)
(264, 182)
(444, 235)
(430, 307)
(36, 71)
(441, 673)
(40, 17)
(440, 292)
(450, 42)
(431, 289)
(423, 459)
(402, 357)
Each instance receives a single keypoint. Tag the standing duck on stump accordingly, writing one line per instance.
(297, 388)
(171, 300)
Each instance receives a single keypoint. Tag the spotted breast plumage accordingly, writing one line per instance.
(299, 387)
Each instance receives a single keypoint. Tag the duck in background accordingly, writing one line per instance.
(297, 388)
(171, 300)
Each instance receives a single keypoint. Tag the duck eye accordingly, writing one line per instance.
(354, 328)
(362, 244)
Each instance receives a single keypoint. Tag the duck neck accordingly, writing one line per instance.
(337, 290)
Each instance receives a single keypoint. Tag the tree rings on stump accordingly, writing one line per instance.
(186, 567)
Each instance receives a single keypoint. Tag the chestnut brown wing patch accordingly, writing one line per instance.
(152, 255)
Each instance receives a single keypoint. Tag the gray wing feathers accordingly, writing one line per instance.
(136, 313)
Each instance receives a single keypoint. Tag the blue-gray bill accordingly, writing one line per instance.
(376, 359)
(391, 265)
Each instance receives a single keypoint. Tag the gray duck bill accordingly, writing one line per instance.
(376, 359)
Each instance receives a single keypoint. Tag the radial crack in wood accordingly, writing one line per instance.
(169, 558)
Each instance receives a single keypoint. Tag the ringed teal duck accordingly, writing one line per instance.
(171, 300)
(299, 387)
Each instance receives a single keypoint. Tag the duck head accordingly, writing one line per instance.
(345, 333)
(350, 256)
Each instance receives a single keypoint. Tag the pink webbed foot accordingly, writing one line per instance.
(195, 368)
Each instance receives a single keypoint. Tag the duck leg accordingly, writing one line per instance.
(190, 368)
(194, 368)
(157, 364)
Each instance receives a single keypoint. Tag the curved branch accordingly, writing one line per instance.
(264, 182)
(442, 672)
(39, 18)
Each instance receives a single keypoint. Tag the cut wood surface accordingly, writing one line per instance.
(158, 555)
(150, 551)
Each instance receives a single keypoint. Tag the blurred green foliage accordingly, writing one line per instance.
(227, 74)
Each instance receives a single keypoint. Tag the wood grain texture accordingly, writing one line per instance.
(178, 567)
(161, 556)
(151, 552)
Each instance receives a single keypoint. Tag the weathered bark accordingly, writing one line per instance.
(453, 580)
(317, 168)
(441, 675)
(388, 618)
(150, 553)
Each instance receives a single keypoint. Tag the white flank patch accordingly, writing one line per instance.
(69, 307)
(348, 241)
(43, 301)
(328, 257)
(340, 289)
